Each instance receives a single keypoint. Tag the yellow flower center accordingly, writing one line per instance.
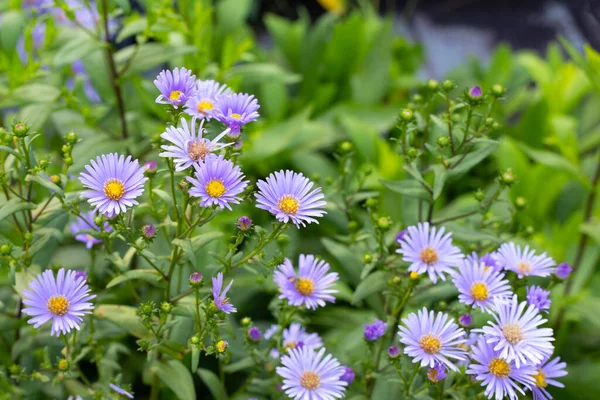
(310, 380)
(221, 346)
(290, 344)
(540, 379)
(174, 96)
(236, 116)
(499, 368)
(288, 205)
(204, 106)
(479, 291)
(428, 256)
(198, 150)
(524, 268)
(58, 305)
(114, 189)
(430, 344)
(432, 374)
(512, 333)
(304, 286)
(215, 188)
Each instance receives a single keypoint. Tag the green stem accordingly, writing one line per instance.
(274, 235)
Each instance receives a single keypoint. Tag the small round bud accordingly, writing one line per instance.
(396, 280)
(55, 179)
(329, 180)
(28, 236)
(412, 153)
(166, 307)
(66, 148)
(183, 185)
(367, 258)
(498, 90)
(246, 321)
(414, 275)
(383, 223)
(221, 346)
(479, 195)
(68, 161)
(489, 122)
(371, 202)
(496, 126)
(98, 221)
(348, 376)
(20, 129)
(475, 92)
(148, 231)
(508, 177)
(346, 146)
(443, 141)
(150, 167)
(530, 230)
(63, 365)
(432, 84)
(316, 177)
(5, 249)
(43, 163)
(448, 85)
(282, 240)
(520, 202)
(254, 334)
(71, 137)
(393, 352)
(563, 270)
(195, 339)
(195, 279)
(147, 308)
(244, 223)
(417, 98)
(407, 114)
(352, 225)
(411, 106)
(465, 320)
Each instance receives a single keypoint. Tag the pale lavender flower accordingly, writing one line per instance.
(487, 259)
(544, 375)
(311, 286)
(479, 285)
(202, 104)
(526, 262)
(64, 300)
(563, 270)
(236, 110)
(120, 391)
(289, 197)
(515, 333)
(400, 236)
(188, 144)
(114, 183)
(217, 182)
(430, 339)
(309, 375)
(272, 330)
(539, 297)
(175, 87)
(296, 336)
(428, 249)
(375, 330)
(88, 88)
(437, 373)
(85, 222)
(500, 377)
(222, 302)
(349, 375)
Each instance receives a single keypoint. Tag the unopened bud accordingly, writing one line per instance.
(71, 137)
(443, 141)
(448, 85)
(407, 114)
(498, 90)
(346, 146)
(432, 84)
(367, 258)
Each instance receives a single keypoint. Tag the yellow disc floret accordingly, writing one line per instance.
(512, 333)
(215, 188)
(304, 286)
(288, 205)
(175, 94)
(479, 291)
(499, 368)
(428, 256)
(430, 344)
(58, 305)
(310, 380)
(114, 189)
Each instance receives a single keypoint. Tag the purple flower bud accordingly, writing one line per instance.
(150, 166)
(81, 274)
(348, 376)
(563, 270)
(149, 231)
(465, 320)
(244, 223)
(475, 92)
(195, 278)
(238, 144)
(400, 236)
(393, 351)
(375, 330)
(437, 373)
(254, 334)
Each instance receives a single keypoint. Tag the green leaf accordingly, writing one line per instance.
(176, 377)
(255, 73)
(347, 260)
(45, 182)
(555, 161)
(164, 196)
(409, 188)
(473, 158)
(75, 49)
(132, 28)
(440, 176)
(240, 365)
(14, 206)
(373, 283)
(12, 151)
(213, 383)
(363, 135)
(148, 275)
(36, 93)
(124, 317)
(195, 359)
(191, 246)
(11, 29)
(150, 55)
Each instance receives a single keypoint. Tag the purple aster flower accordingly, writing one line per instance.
(465, 320)
(120, 391)
(254, 334)
(222, 302)
(244, 223)
(114, 182)
(85, 222)
(236, 110)
(349, 375)
(195, 278)
(64, 300)
(308, 375)
(289, 197)
(430, 338)
(400, 236)
(218, 182)
(436, 373)
(272, 330)
(475, 92)
(175, 87)
(189, 147)
(515, 333)
(150, 166)
(524, 263)
(563, 270)
(274, 354)
(296, 336)
(544, 375)
(538, 297)
(393, 351)
(429, 250)
(499, 376)
(479, 286)
(487, 259)
(375, 330)
(202, 104)
(148, 231)
(310, 287)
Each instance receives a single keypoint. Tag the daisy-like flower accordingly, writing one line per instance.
(202, 104)
(218, 182)
(175, 87)
(515, 333)
(500, 377)
(114, 183)
(308, 375)
(289, 197)
(310, 287)
(296, 336)
(86, 223)
(120, 390)
(375, 330)
(524, 263)
(539, 297)
(487, 259)
(544, 375)
(272, 330)
(437, 373)
(64, 300)
(236, 110)
(479, 285)
(427, 249)
(430, 339)
(189, 147)
(222, 302)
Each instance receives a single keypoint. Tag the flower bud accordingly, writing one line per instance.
(367, 258)
(254, 334)
(412, 153)
(150, 167)
(148, 231)
(28, 237)
(346, 146)
(475, 92)
(183, 185)
(432, 84)
(400, 236)
(43, 163)
(166, 307)
(244, 223)
(195, 279)
(520, 202)
(68, 161)
(383, 223)
(348, 375)
(479, 195)
(489, 122)
(443, 141)
(63, 365)
(98, 221)
(246, 321)
(393, 352)
(508, 177)
(66, 148)
(20, 129)
(71, 138)
(447, 85)
(563, 270)
(396, 280)
(496, 126)
(498, 90)
(195, 339)
(407, 115)
(465, 320)
(5, 249)
(55, 179)
(352, 225)
(417, 98)
(221, 346)
(371, 202)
